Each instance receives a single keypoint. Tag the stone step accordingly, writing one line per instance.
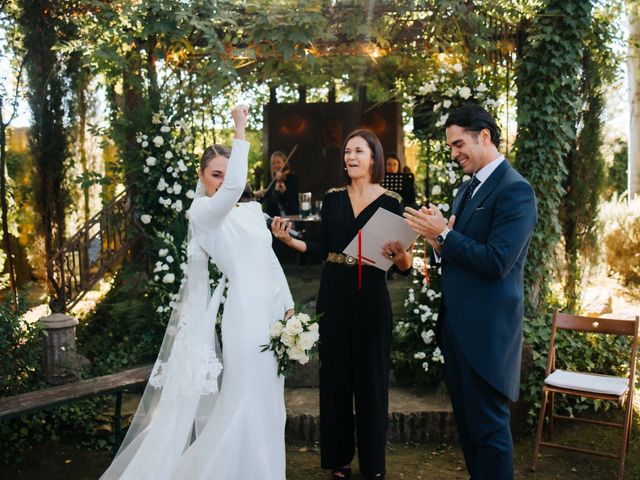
(413, 417)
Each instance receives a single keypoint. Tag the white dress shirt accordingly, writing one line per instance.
(485, 172)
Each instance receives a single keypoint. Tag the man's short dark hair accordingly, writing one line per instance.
(474, 118)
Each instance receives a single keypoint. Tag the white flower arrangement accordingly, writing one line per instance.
(292, 341)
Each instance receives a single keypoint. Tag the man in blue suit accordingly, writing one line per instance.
(482, 249)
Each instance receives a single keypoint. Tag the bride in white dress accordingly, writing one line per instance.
(190, 425)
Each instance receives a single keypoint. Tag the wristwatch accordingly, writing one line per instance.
(440, 238)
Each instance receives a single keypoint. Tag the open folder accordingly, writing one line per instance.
(382, 227)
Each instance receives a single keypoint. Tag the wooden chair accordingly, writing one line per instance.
(590, 385)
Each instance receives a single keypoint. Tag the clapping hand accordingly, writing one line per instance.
(428, 222)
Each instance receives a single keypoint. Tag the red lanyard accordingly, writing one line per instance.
(360, 259)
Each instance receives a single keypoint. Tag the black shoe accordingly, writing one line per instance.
(377, 476)
(341, 473)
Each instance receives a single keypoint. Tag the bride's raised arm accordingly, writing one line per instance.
(210, 210)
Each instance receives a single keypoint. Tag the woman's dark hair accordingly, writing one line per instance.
(395, 156)
(212, 152)
(474, 118)
(377, 175)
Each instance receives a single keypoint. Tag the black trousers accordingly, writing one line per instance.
(355, 341)
(481, 412)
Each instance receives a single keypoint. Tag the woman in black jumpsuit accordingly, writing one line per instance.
(355, 326)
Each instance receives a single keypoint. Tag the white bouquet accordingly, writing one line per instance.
(292, 340)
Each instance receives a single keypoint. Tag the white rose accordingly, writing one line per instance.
(425, 366)
(162, 185)
(146, 219)
(287, 339)
(304, 318)
(177, 188)
(169, 278)
(177, 206)
(169, 259)
(151, 161)
(436, 107)
(314, 327)
(465, 92)
(294, 326)
(297, 354)
(305, 340)
(276, 329)
(168, 154)
(163, 252)
(482, 88)
(446, 103)
(436, 190)
(160, 309)
(420, 356)
(190, 194)
(165, 129)
(181, 166)
(145, 169)
(445, 207)
(158, 141)
(427, 337)
(457, 68)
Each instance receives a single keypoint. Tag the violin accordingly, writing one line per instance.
(281, 177)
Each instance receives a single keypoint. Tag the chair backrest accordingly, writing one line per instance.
(604, 326)
(611, 326)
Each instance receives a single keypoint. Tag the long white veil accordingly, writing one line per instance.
(184, 382)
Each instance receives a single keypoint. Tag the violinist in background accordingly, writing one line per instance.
(281, 197)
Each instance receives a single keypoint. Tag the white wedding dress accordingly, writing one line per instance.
(190, 427)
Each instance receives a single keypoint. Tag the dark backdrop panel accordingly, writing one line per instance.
(319, 129)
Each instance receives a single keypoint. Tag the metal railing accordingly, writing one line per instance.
(84, 259)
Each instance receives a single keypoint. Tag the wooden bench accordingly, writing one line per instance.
(117, 383)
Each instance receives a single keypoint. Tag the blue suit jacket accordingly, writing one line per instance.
(482, 276)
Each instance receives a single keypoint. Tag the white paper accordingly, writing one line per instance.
(383, 227)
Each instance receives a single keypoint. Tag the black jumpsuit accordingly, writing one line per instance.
(355, 340)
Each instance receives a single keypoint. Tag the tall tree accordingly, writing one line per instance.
(41, 28)
(8, 99)
(548, 74)
(633, 69)
(585, 161)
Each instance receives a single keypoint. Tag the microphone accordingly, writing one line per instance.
(294, 233)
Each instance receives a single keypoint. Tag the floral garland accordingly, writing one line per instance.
(167, 176)
(417, 358)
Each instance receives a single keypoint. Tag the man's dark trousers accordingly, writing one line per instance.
(481, 413)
